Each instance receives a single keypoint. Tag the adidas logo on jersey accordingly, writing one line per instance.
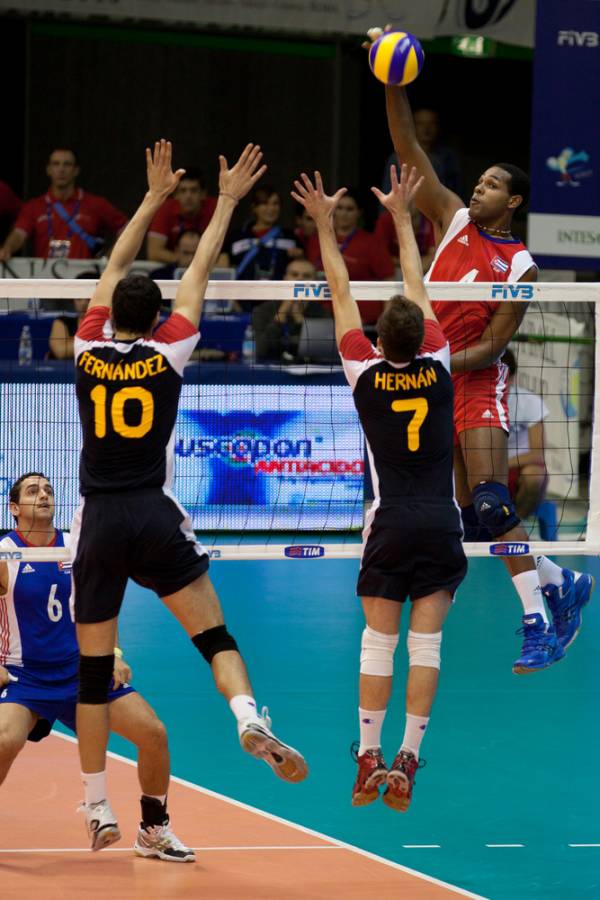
(487, 415)
(464, 240)
(27, 569)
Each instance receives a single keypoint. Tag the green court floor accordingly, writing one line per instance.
(511, 760)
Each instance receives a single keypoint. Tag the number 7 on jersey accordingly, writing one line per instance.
(420, 407)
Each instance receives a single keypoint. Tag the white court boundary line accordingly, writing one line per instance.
(341, 845)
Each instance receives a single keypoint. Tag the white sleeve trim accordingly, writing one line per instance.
(521, 263)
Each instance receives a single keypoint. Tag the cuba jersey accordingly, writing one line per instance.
(127, 393)
(406, 411)
(36, 623)
(467, 254)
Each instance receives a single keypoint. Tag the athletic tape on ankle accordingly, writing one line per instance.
(424, 649)
(377, 653)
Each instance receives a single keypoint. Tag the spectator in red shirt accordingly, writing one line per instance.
(385, 231)
(189, 209)
(10, 206)
(365, 257)
(66, 220)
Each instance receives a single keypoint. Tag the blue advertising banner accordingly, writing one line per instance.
(261, 457)
(564, 222)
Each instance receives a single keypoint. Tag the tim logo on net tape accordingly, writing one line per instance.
(304, 551)
(512, 292)
(509, 548)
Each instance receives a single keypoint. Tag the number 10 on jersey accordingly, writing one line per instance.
(117, 411)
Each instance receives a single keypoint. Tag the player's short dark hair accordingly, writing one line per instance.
(136, 300)
(508, 358)
(193, 173)
(401, 328)
(15, 489)
(519, 182)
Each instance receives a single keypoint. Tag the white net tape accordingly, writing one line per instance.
(294, 430)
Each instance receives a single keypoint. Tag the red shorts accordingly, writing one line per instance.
(480, 399)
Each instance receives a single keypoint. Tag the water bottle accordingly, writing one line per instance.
(248, 345)
(25, 347)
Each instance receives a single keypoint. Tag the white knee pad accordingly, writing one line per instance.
(424, 649)
(377, 653)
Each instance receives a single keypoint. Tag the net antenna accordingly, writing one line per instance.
(293, 427)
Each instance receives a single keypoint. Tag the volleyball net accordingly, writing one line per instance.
(269, 453)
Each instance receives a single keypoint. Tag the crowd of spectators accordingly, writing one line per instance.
(67, 221)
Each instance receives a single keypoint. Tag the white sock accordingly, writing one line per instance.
(371, 723)
(94, 785)
(548, 571)
(162, 798)
(244, 708)
(414, 732)
(528, 588)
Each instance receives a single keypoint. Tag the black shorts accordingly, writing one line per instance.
(413, 549)
(145, 535)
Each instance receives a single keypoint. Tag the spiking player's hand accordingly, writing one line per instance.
(313, 198)
(402, 194)
(238, 181)
(373, 34)
(162, 181)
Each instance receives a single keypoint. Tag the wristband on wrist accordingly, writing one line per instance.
(227, 194)
(118, 652)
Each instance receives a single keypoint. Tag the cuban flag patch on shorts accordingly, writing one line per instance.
(499, 265)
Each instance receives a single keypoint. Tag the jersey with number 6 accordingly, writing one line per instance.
(406, 411)
(36, 625)
(127, 392)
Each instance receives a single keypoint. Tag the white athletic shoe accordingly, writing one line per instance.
(258, 740)
(101, 824)
(160, 842)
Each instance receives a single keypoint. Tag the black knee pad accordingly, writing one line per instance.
(494, 508)
(214, 640)
(95, 676)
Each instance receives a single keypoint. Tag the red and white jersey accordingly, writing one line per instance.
(127, 393)
(467, 254)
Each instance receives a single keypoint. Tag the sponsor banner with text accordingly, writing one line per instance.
(564, 224)
(511, 21)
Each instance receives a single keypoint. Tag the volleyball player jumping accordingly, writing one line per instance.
(403, 394)
(129, 524)
(476, 244)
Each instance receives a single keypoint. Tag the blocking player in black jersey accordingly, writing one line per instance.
(412, 538)
(129, 524)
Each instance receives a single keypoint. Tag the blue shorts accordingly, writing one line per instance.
(52, 700)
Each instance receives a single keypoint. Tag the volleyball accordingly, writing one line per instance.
(396, 57)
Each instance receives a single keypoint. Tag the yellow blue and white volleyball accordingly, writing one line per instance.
(396, 58)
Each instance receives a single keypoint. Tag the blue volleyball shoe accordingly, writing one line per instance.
(540, 646)
(566, 604)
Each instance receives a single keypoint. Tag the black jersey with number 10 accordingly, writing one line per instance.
(127, 392)
(406, 412)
